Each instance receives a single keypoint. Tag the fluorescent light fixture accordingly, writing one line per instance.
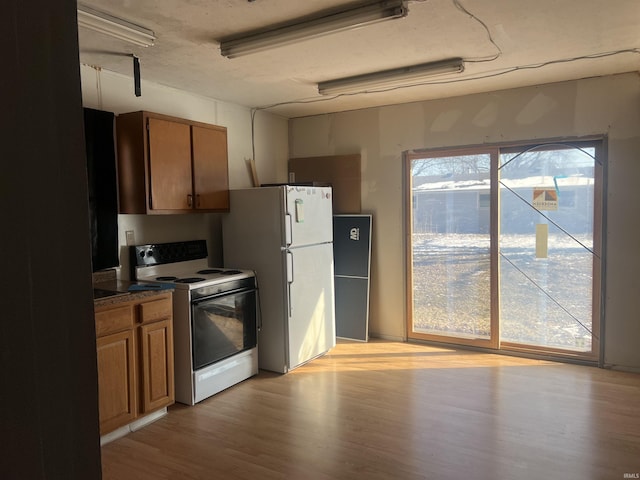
(114, 27)
(397, 77)
(312, 27)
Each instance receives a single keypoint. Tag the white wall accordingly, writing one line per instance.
(105, 90)
(597, 106)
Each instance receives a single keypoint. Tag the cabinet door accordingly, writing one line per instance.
(170, 184)
(116, 380)
(210, 170)
(156, 358)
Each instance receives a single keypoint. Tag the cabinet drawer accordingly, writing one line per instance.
(161, 309)
(114, 320)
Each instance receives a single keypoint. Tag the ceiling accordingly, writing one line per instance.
(505, 44)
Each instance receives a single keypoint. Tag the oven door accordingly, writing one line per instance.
(223, 325)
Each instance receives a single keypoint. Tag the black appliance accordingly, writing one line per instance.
(102, 185)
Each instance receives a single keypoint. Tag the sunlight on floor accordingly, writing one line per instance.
(387, 355)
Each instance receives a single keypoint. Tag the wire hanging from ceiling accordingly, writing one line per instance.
(461, 7)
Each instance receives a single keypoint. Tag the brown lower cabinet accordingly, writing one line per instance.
(135, 359)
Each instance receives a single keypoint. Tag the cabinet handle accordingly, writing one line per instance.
(190, 200)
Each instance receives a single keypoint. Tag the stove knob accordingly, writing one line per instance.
(150, 253)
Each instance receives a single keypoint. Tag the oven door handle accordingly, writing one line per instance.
(197, 300)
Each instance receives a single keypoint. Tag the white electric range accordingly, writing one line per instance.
(215, 314)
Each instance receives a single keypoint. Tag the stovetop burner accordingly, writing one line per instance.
(183, 264)
(189, 280)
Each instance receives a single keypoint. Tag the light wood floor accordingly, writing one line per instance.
(384, 410)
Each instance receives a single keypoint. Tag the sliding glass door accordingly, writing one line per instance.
(503, 247)
(450, 248)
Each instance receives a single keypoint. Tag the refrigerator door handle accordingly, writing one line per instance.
(290, 279)
(287, 230)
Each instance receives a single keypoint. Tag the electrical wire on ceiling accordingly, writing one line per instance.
(481, 76)
(460, 7)
(433, 82)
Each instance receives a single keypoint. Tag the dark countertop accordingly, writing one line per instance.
(112, 292)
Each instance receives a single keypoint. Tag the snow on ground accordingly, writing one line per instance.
(542, 301)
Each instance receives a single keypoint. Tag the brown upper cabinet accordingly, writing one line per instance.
(171, 165)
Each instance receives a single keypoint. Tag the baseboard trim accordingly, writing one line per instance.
(132, 427)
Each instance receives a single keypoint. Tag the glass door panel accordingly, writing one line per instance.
(546, 248)
(450, 248)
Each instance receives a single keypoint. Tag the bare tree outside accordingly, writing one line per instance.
(450, 166)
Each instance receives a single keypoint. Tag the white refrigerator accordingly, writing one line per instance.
(285, 234)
